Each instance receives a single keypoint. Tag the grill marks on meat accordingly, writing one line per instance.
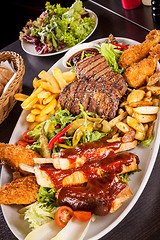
(99, 89)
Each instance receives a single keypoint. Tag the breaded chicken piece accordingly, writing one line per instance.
(136, 53)
(22, 190)
(13, 155)
(137, 73)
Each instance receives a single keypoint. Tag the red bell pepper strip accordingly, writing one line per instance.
(121, 46)
(57, 137)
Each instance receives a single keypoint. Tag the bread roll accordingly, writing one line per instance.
(5, 75)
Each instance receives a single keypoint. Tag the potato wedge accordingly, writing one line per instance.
(140, 135)
(117, 119)
(145, 118)
(149, 132)
(156, 102)
(146, 110)
(123, 127)
(132, 122)
(135, 96)
(154, 89)
(140, 104)
(127, 146)
(129, 110)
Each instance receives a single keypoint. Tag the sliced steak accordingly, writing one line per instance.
(99, 89)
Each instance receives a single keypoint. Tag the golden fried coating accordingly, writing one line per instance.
(13, 155)
(23, 190)
(136, 53)
(137, 73)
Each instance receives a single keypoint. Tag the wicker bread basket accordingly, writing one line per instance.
(7, 100)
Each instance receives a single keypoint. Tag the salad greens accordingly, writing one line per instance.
(46, 197)
(43, 210)
(57, 123)
(111, 54)
(148, 141)
(58, 27)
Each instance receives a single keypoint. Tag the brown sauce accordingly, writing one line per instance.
(76, 57)
(92, 150)
(95, 196)
(112, 164)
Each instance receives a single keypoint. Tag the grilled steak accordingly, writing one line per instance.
(99, 89)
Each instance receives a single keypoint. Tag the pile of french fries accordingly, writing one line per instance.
(44, 99)
(136, 115)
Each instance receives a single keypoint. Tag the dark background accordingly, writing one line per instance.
(17, 13)
(143, 221)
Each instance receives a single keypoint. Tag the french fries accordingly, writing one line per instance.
(59, 77)
(44, 99)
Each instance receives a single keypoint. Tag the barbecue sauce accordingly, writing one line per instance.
(89, 150)
(112, 164)
(95, 196)
(78, 55)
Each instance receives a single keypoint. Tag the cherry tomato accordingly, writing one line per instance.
(28, 138)
(82, 215)
(21, 142)
(63, 215)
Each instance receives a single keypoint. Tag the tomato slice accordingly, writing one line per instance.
(82, 215)
(28, 138)
(21, 142)
(63, 215)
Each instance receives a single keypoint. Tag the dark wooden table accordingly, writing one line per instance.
(143, 221)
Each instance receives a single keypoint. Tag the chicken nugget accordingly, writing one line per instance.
(13, 155)
(23, 190)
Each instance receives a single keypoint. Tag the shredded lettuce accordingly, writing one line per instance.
(37, 215)
(111, 55)
(43, 210)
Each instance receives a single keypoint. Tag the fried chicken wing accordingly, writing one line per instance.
(137, 73)
(22, 190)
(13, 155)
(136, 53)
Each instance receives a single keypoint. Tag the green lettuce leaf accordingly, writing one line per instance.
(111, 55)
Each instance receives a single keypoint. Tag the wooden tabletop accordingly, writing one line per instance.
(143, 221)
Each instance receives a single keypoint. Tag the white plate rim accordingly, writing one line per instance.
(143, 182)
(26, 46)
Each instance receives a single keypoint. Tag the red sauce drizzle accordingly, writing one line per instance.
(92, 150)
(113, 163)
(95, 196)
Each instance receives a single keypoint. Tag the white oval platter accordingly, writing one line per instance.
(102, 225)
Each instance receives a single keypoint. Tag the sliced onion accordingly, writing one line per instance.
(75, 229)
(45, 232)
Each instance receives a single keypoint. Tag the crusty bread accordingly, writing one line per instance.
(5, 76)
